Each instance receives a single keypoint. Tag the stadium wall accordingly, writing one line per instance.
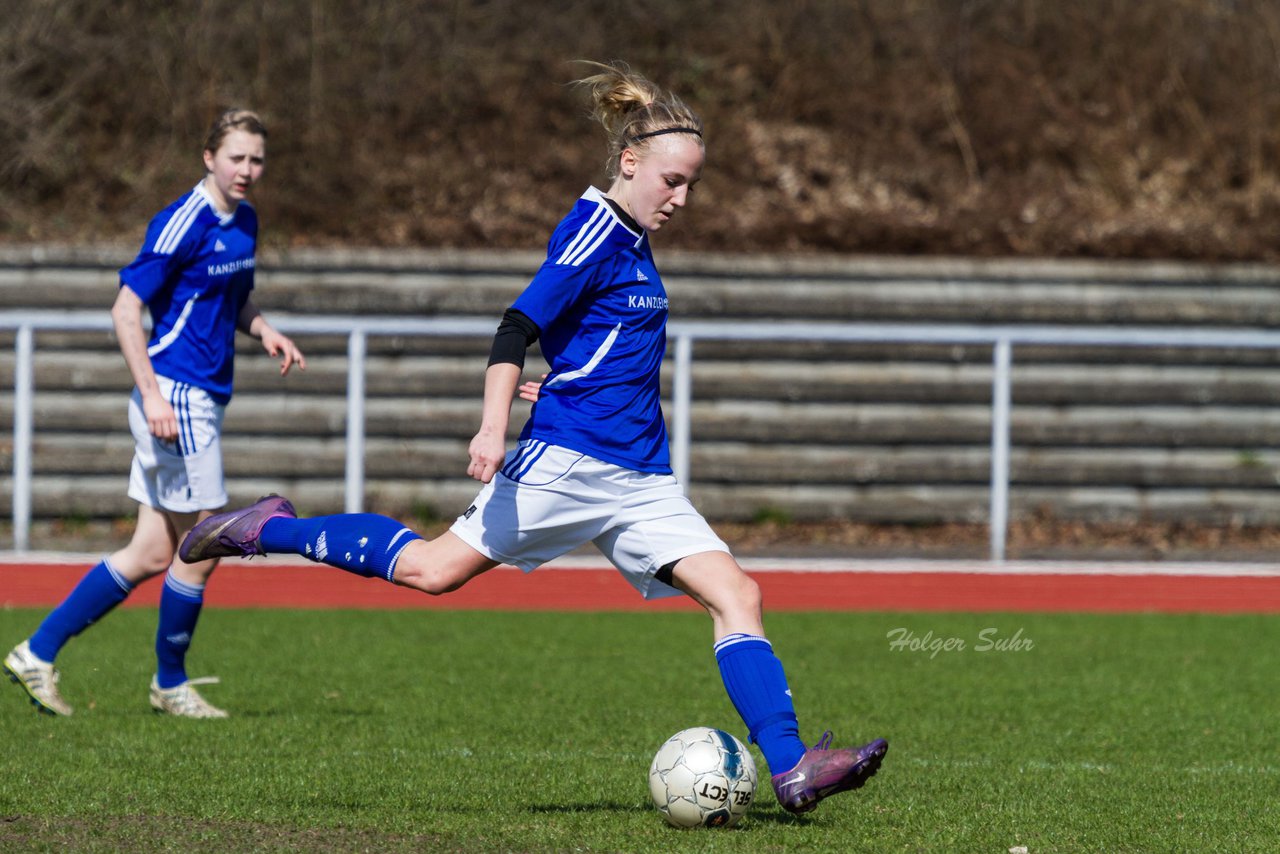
(794, 430)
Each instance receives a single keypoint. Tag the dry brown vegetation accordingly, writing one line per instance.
(982, 127)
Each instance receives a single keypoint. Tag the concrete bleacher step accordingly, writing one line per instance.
(747, 464)
(779, 380)
(1242, 428)
(757, 464)
(1067, 426)
(946, 290)
(923, 504)
(409, 376)
(892, 424)
(102, 345)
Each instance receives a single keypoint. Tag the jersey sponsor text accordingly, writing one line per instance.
(231, 267)
(641, 301)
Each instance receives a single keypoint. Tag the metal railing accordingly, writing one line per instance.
(681, 335)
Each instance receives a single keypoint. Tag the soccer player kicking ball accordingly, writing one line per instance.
(592, 462)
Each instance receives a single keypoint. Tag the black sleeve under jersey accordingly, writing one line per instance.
(515, 333)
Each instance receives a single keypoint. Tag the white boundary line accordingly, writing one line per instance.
(1029, 567)
(889, 566)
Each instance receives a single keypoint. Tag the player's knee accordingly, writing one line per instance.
(144, 561)
(748, 594)
(737, 596)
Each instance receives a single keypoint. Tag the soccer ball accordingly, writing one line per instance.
(702, 777)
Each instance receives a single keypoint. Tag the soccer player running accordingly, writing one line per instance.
(592, 463)
(194, 273)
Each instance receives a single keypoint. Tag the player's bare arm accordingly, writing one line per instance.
(126, 318)
(489, 446)
(252, 323)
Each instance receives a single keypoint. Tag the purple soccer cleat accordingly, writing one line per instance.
(234, 533)
(823, 772)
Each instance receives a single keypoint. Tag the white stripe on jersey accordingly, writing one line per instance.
(595, 230)
(172, 334)
(169, 227)
(601, 352)
(179, 224)
(589, 235)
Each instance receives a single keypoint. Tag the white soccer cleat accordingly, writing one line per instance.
(184, 700)
(37, 677)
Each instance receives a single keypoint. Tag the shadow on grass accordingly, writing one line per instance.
(593, 807)
(762, 815)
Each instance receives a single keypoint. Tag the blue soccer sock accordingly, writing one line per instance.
(361, 543)
(180, 605)
(757, 685)
(100, 590)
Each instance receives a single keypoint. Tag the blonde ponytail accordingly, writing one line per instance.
(633, 110)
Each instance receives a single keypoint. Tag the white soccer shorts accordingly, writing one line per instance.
(186, 475)
(548, 500)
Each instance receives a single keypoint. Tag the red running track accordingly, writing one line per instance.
(266, 585)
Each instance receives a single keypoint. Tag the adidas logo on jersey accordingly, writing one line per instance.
(640, 276)
(219, 246)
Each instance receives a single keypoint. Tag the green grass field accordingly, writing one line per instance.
(481, 731)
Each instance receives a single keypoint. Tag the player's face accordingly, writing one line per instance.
(655, 184)
(235, 167)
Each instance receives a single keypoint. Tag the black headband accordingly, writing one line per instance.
(641, 136)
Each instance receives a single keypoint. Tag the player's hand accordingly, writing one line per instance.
(530, 390)
(161, 420)
(487, 453)
(282, 346)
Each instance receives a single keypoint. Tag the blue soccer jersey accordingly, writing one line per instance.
(602, 312)
(194, 273)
